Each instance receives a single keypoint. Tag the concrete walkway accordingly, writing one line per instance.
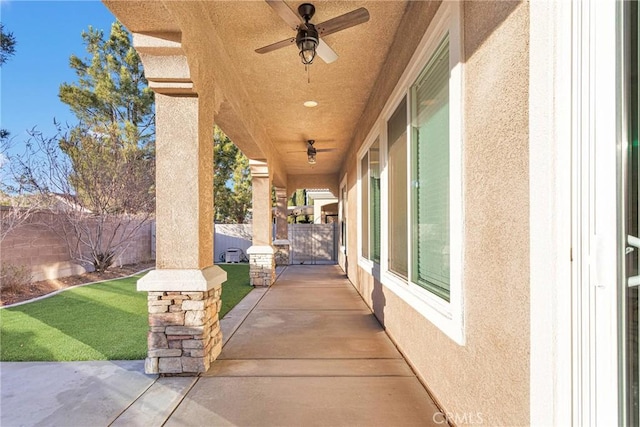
(306, 352)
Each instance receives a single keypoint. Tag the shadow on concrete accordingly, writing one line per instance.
(377, 296)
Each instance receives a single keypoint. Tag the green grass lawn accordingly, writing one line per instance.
(105, 321)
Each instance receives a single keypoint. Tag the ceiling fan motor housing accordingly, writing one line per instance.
(310, 34)
(306, 10)
(310, 148)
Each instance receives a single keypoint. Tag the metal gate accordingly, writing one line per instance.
(313, 243)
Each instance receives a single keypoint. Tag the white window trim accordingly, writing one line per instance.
(550, 212)
(447, 316)
(342, 210)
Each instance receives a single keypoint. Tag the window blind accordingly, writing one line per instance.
(430, 96)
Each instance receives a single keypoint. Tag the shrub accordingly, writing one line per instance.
(12, 277)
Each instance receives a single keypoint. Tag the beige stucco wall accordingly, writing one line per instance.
(489, 375)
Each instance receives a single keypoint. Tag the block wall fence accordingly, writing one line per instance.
(35, 246)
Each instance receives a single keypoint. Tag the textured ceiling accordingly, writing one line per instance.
(276, 83)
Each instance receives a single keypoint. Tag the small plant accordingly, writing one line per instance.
(13, 277)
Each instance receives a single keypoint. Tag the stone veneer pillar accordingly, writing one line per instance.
(184, 291)
(262, 268)
(282, 244)
(184, 330)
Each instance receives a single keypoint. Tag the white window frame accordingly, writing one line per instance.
(447, 316)
(342, 212)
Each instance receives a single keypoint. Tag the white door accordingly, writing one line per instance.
(584, 116)
(606, 275)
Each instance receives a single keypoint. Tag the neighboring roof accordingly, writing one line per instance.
(298, 210)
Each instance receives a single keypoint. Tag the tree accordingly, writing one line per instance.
(101, 195)
(15, 211)
(7, 50)
(7, 45)
(99, 174)
(232, 181)
(299, 198)
(111, 151)
(111, 94)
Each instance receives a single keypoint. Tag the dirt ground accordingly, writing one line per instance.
(44, 287)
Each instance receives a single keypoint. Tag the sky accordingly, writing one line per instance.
(47, 33)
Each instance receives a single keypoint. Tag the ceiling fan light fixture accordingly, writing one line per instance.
(307, 41)
(311, 152)
(311, 158)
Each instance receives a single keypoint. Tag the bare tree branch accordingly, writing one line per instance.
(98, 188)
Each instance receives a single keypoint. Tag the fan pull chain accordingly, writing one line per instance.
(306, 67)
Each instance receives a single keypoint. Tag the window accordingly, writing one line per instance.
(343, 217)
(411, 186)
(364, 191)
(370, 190)
(397, 172)
(374, 200)
(430, 175)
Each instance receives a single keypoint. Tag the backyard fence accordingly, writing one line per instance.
(36, 247)
(231, 236)
(310, 243)
(44, 252)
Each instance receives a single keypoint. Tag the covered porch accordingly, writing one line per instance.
(200, 59)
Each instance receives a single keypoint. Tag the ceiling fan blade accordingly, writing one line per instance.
(277, 45)
(284, 11)
(339, 23)
(325, 52)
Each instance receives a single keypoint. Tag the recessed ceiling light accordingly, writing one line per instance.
(310, 104)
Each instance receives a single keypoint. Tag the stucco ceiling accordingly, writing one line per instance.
(276, 84)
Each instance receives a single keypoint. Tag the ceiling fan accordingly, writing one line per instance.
(308, 35)
(312, 151)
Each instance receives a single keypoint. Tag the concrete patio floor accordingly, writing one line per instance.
(305, 352)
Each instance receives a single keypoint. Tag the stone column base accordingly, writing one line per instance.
(184, 332)
(262, 265)
(282, 254)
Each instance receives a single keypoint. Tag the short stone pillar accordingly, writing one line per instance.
(282, 251)
(184, 330)
(262, 265)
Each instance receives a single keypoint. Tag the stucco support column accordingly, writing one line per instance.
(184, 291)
(262, 268)
(282, 244)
